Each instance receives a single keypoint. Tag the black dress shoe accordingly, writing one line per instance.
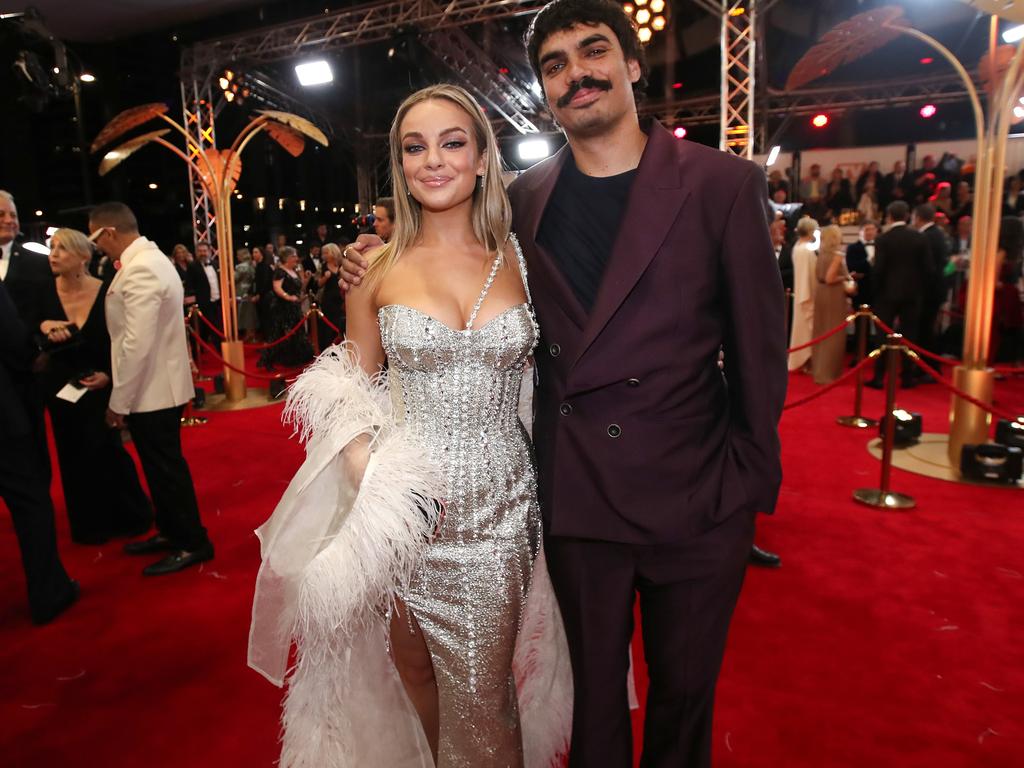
(875, 383)
(69, 599)
(179, 561)
(763, 558)
(148, 546)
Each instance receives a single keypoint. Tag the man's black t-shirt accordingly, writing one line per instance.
(580, 225)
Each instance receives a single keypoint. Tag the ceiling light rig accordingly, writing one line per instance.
(650, 16)
(233, 86)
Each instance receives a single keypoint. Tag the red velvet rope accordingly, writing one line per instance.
(267, 345)
(829, 387)
(209, 325)
(226, 364)
(944, 360)
(332, 326)
(824, 336)
(960, 393)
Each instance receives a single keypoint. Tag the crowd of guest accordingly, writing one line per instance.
(912, 269)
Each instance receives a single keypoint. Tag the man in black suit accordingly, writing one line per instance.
(895, 185)
(860, 257)
(204, 283)
(23, 273)
(935, 293)
(25, 470)
(902, 278)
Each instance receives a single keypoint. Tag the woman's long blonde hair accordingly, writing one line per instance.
(492, 214)
(831, 239)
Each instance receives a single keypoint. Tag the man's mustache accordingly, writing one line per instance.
(577, 86)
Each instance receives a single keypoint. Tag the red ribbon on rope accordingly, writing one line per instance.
(958, 392)
(827, 388)
(224, 362)
(824, 336)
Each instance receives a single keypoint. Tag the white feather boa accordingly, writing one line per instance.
(334, 556)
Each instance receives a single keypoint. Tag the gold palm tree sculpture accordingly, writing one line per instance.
(219, 171)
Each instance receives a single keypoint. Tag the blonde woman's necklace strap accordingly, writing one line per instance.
(483, 293)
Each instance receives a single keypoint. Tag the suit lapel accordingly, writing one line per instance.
(657, 196)
(547, 276)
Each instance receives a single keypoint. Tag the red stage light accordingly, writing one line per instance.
(819, 121)
(927, 60)
(677, 86)
(679, 132)
(928, 110)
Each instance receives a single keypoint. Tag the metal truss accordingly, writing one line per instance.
(739, 65)
(704, 110)
(197, 118)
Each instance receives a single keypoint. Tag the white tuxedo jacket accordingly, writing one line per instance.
(149, 354)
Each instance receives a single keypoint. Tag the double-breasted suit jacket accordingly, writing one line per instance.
(640, 436)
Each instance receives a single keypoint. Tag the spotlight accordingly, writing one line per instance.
(677, 86)
(657, 6)
(229, 96)
(153, 185)
(773, 155)
(533, 149)
(87, 77)
(50, 231)
(679, 132)
(927, 60)
(819, 121)
(644, 34)
(316, 72)
(36, 248)
(649, 16)
(928, 110)
(223, 83)
(643, 16)
(39, 213)
(1018, 112)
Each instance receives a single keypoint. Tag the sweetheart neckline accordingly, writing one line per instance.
(447, 327)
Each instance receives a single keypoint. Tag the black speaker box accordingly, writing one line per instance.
(277, 388)
(992, 463)
(218, 383)
(1010, 433)
(908, 428)
(199, 401)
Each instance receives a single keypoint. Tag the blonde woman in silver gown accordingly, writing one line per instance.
(831, 306)
(427, 632)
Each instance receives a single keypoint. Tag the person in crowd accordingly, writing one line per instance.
(263, 288)
(384, 218)
(942, 200)
(25, 468)
(896, 185)
(245, 287)
(934, 294)
(813, 190)
(777, 182)
(24, 273)
(332, 300)
(831, 306)
(205, 285)
(152, 381)
(860, 259)
(312, 261)
(285, 314)
(181, 258)
(1008, 308)
(270, 255)
(805, 284)
(281, 241)
(964, 202)
(102, 493)
(867, 204)
(925, 180)
(962, 241)
(1013, 199)
(321, 237)
(616, 171)
(901, 279)
(870, 174)
(784, 256)
(838, 196)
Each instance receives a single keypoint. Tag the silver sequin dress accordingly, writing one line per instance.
(459, 391)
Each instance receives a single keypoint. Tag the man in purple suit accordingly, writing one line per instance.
(647, 257)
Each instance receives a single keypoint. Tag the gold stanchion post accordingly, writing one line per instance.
(882, 497)
(312, 318)
(863, 322)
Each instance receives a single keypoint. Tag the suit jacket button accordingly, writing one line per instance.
(565, 409)
(614, 430)
(555, 350)
(632, 382)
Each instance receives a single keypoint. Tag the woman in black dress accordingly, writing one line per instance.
(332, 300)
(285, 313)
(101, 486)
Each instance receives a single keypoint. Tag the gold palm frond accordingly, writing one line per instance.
(300, 124)
(125, 121)
(116, 156)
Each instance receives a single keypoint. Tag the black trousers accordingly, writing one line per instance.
(687, 595)
(25, 488)
(909, 312)
(157, 438)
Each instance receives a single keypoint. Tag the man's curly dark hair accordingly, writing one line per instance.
(560, 15)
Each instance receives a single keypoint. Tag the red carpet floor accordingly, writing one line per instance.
(885, 639)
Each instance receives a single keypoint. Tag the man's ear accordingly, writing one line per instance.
(633, 67)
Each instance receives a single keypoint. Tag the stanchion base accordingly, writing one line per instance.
(201, 377)
(859, 422)
(193, 421)
(874, 497)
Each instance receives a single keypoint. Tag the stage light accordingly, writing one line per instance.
(229, 74)
(533, 149)
(1018, 112)
(261, 203)
(649, 16)
(316, 72)
(659, 23)
(229, 96)
(50, 231)
(643, 16)
(302, 206)
(679, 132)
(1013, 34)
(298, 242)
(628, 8)
(773, 155)
(86, 77)
(644, 34)
(223, 83)
(819, 121)
(39, 213)
(677, 86)
(737, 11)
(927, 60)
(153, 185)
(36, 248)
(928, 110)
(657, 6)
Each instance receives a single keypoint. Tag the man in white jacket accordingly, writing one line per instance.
(152, 382)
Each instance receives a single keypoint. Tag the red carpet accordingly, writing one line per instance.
(885, 639)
